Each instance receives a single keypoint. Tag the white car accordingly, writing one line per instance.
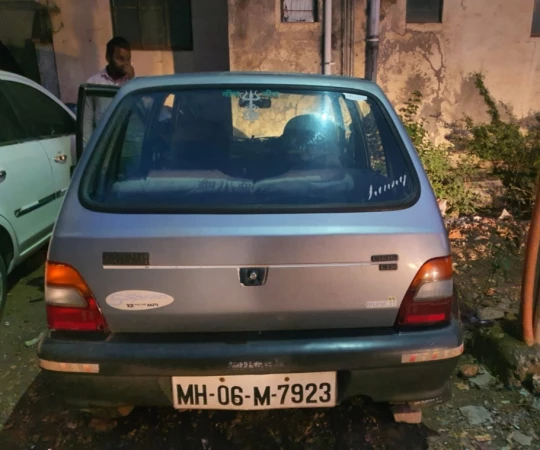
(37, 138)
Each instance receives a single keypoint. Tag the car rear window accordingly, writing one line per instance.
(246, 149)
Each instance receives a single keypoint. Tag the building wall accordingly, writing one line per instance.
(16, 33)
(83, 27)
(489, 36)
(436, 59)
(258, 41)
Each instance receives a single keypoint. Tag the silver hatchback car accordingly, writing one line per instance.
(249, 241)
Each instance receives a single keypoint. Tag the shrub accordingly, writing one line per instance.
(513, 151)
(447, 178)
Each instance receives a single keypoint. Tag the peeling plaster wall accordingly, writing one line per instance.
(259, 41)
(488, 36)
(15, 34)
(491, 36)
(82, 29)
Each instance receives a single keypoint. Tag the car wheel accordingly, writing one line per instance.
(3, 285)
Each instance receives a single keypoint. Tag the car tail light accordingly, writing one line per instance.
(430, 296)
(70, 302)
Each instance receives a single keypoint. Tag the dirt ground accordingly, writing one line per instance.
(488, 258)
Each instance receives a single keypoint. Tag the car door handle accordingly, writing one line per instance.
(2, 175)
(60, 158)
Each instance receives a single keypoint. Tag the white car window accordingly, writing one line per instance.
(41, 116)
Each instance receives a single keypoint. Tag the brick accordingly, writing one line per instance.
(406, 414)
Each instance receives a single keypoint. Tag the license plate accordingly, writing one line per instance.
(245, 392)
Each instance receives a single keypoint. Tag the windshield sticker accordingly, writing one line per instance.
(269, 94)
(249, 99)
(138, 300)
(237, 94)
(375, 191)
(355, 97)
(231, 94)
(251, 114)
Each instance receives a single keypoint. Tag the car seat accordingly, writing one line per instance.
(311, 142)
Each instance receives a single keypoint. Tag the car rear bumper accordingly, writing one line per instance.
(388, 366)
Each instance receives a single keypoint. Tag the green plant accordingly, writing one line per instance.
(513, 151)
(507, 249)
(447, 178)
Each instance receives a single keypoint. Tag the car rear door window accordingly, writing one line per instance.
(245, 149)
(374, 145)
(41, 116)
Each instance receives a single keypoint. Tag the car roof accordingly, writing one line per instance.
(224, 79)
(20, 79)
(15, 77)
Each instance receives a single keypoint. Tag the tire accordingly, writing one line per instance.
(3, 285)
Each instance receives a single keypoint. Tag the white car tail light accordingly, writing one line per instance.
(70, 302)
(430, 296)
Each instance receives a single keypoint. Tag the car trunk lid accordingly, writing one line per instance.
(274, 272)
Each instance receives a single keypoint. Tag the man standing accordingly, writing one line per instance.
(117, 72)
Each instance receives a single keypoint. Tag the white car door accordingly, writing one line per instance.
(27, 190)
(52, 125)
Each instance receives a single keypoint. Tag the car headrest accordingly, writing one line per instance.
(310, 123)
(311, 138)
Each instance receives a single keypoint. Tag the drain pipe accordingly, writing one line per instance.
(530, 294)
(372, 39)
(347, 37)
(327, 69)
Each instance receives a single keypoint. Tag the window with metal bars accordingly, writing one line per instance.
(424, 11)
(299, 11)
(154, 24)
(535, 31)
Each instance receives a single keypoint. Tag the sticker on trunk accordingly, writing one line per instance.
(390, 303)
(138, 300)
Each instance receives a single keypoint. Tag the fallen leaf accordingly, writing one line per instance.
(490, 292)
(455, 234)
(483, 438)
(462, 386)
(505, 215)
(125, 410)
